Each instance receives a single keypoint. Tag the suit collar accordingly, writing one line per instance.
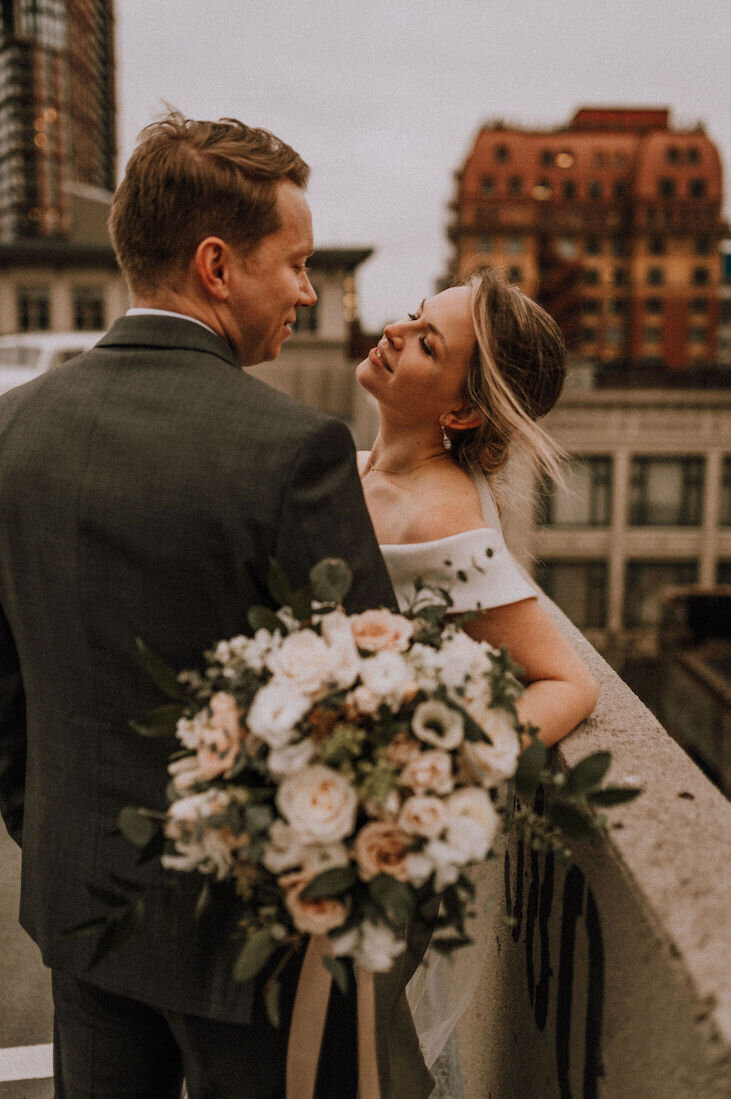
(150, 330)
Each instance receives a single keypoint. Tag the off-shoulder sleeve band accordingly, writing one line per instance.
(476, 566)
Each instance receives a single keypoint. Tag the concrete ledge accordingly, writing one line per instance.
(611, 977)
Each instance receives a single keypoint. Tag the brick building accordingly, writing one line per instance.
(613, 222)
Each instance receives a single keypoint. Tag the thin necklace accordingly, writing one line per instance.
(409, 469)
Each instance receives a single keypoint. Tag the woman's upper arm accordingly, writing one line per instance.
(534, 642)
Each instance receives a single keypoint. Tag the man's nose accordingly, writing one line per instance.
(307, 293)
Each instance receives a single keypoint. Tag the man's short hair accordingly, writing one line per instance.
(188, 180)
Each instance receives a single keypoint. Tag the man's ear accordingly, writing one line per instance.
(460, 419)
(211, 263)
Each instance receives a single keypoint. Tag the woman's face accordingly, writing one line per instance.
(419, 367)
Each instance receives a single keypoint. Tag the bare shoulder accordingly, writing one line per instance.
(445, 504)
(362, 457)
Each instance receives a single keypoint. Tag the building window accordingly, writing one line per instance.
(653, 305)
(666, 188)
(579, 588)
(655, 276)
(702, 246)
(487, 185)
(515, 185)
(698, 305)
(590, 305)
(515, 274)
(88, 306)
(593, 246)
(594, 189)
(696, 334)
(614, 336)
(672, 154)
(697, 188)
(700, 276)
(693, 154)
(653, 333)
(568, 186)
(567, 247)
(590, 276)
(514, 244)
(645, 583)
(618, 306)
(585, 500)
(619, 276)
(723, 572)
(619, 246)
(656, 245)
(484, 243)
(546, 157)
(725, 518)
(34, 309)
(666, 492)
(502, 153)
(588, 335)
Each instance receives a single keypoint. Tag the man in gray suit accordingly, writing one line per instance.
(143, 489)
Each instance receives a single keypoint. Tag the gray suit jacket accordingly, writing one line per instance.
(143, 489)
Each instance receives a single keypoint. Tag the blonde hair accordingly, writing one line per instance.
(515, 376)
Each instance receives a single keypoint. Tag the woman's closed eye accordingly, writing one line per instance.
(422, 339)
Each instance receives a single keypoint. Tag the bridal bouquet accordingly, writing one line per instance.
(341, 770)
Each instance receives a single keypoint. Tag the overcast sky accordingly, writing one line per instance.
(384, 98)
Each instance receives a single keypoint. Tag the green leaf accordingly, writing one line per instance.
(338, 971)
(278, 583)
(301, 603)
(394, 897)
(531, 762)
(272, 992)
(117, 931)
(331, 580)
(330, 883)
(588, 773)
(570, 821)
(254, 955)
(160, 721)
(160, 672)
(264, 618)
(136, 826)
(613, 795)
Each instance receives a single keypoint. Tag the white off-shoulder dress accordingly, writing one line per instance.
(479, 571)
(476, 565)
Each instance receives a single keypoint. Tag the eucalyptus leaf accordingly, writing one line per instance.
(338, 971)
(160, 721)
(278, 583)
(571, 821)
(588, 773)
(264, 618)
(118, 931)
(330, 580)
(272, 993)
(301, 603)
(613, 795)
(160, 672)
(330, 883)
(394, 897)
(531, 762)
(254, 955)
(136, 826)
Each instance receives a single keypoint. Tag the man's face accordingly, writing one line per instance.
(268, 284)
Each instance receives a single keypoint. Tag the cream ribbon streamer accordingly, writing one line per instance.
(308, 1025)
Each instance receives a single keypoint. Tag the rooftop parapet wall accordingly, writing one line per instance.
(609, 977)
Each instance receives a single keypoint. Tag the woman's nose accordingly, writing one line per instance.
(394, 333)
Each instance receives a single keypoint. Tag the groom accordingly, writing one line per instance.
(144, 488)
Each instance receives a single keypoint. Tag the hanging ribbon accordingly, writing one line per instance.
(308, 1025)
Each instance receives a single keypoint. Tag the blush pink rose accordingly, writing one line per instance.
(315, 917)
(376, 630)
(381, 848)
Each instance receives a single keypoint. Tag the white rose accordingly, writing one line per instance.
(284, 850)
(305, 661)
(463, 660)
(419, 868)
(446, 861)
(473, 822)
(436, 723)
(388, 676)
(423, 816)
(469, 838)
(292, 757)
(429, 770)
(380, 630)
(492, 763)
(363, 700)
(378, 947)
(426, 663)
(345, 665)
(318, 803)
(275, 711)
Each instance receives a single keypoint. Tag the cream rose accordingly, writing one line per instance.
(388, 677)
(473, 822)
(379, 630)
(318, 803)
(423, 816)
(305, 661)
(276, 709)
(315, 917)
(284, 850)
(381, 848)
(290, 758)
(345, 662)
(495, 762)
(430, 770)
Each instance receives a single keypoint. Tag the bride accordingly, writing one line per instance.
(460, 384)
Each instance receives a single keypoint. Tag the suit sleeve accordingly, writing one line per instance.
(324, 515)
(12, 733)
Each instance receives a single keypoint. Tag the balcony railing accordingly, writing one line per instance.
(609, 976)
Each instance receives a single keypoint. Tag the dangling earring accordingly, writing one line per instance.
(446, 441)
